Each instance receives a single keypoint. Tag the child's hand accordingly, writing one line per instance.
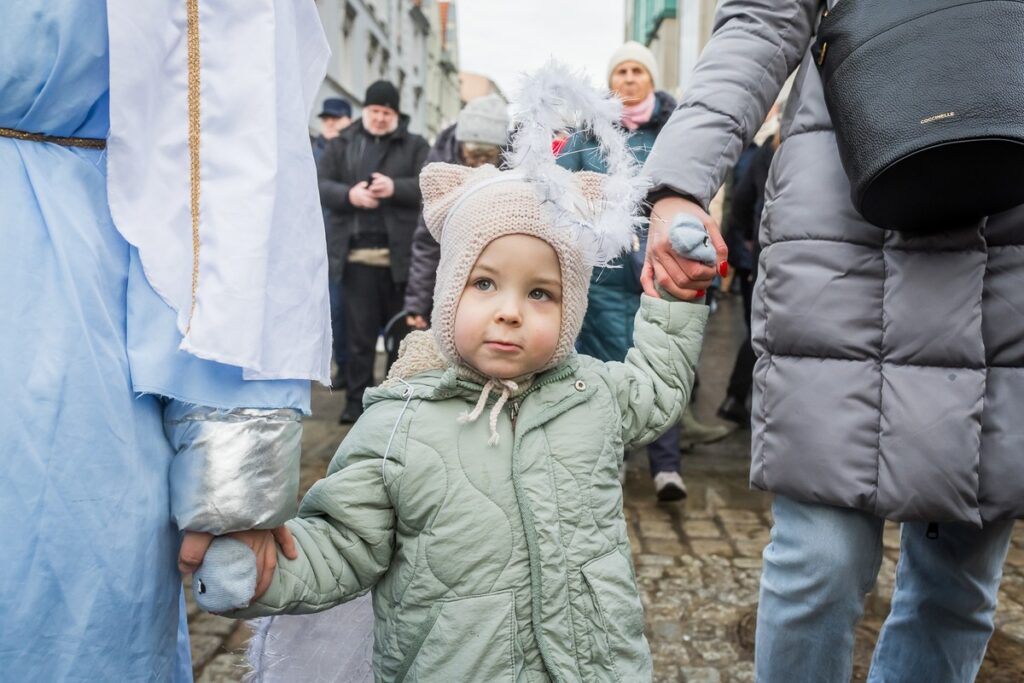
(263, 543)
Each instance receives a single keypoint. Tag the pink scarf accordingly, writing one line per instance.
(635, 116)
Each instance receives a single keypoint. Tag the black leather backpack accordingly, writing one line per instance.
(927, 100)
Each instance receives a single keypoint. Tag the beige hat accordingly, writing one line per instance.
(466, 209)
(633, 51)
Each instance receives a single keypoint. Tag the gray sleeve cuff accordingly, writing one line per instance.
(233, 469)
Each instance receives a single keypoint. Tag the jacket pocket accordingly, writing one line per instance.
(620, 617)
(465, 639)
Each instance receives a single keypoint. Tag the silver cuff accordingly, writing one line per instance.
(233, 469)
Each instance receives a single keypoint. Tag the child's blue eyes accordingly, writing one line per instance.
(486, 285)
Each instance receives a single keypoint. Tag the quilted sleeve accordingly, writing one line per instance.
(345, 531)
(756, 44)
(653, 385)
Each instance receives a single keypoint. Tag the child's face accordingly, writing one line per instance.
(510, 313)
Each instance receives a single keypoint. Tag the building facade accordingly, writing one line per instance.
(404, 41)
(676, 31)
(473, 85)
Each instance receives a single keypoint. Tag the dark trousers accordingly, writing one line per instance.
(339, 349)
(663, 453)
(371, 299)
(743, 368)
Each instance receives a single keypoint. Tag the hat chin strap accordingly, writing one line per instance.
(507, 387)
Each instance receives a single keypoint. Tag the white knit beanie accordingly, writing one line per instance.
(483, 120)
(466, 209)
(633, 51)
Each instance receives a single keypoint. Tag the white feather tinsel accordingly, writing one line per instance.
(551, 99)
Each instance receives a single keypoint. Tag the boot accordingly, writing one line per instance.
(734, 410)
(669, 486)
(695, 432)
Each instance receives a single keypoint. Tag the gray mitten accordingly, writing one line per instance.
(690, 240)
(226, 580)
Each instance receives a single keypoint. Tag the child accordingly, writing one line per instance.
(478, 494)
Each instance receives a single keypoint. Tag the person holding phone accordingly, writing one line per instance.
(369, 181)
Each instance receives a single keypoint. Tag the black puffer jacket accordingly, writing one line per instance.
(342, 166)
(426, 252)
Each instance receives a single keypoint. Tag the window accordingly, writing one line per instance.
(373, 47)
(349, 20)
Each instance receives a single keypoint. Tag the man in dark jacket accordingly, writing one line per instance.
(369, 180)
(476, 139)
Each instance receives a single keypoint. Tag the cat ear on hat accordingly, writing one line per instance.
(441, 185)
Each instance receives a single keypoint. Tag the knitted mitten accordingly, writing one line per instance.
(227, 578)
(690, 240)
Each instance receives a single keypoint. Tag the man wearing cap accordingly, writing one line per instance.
(475, 139)
(334, 118)
(369, 180)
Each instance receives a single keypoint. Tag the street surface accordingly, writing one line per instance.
(698, 562)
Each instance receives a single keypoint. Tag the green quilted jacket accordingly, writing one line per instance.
(495, 563)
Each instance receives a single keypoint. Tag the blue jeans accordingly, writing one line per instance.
(821, 563)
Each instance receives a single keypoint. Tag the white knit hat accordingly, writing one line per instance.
(633, 51)
(483, 120)
(465, 209)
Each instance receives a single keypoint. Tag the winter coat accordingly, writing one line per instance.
(890, 370)
(607, 331)
(426, 252)
(341, 167)
(506, 562)
(748, 205)
(740, 257)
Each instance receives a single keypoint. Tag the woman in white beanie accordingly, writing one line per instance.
(614, 298)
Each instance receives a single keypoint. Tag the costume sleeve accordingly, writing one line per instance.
(333, 190)
(426, 254)
(236, 441)
(346, 526)
(653, 384)
(233, 469)
(407, 189)
(756, 44)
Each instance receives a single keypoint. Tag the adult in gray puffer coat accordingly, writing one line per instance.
(889, 378)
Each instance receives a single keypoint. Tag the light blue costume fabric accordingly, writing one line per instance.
(90, 589)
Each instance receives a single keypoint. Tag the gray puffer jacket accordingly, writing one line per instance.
(890, 371)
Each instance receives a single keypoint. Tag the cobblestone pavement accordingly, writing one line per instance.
(698, 562)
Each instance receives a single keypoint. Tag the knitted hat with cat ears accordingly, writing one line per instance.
(589, 219)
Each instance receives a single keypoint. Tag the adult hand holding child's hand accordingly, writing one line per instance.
(238, 567)
(681, 277)
(264, 543)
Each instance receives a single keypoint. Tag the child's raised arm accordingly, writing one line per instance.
(653, 384)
